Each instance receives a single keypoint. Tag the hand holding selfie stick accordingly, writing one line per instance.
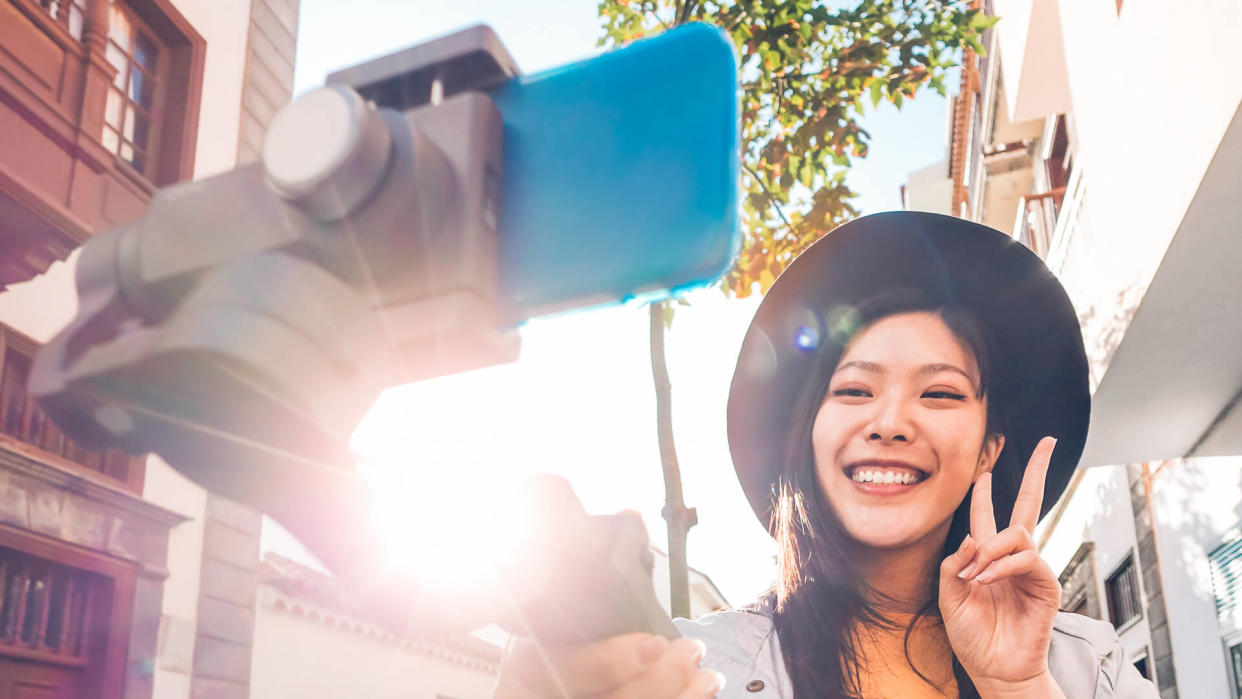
(403, 221)
(594, 571)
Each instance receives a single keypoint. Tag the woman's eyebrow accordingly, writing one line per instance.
(861, 364)
(939, 367)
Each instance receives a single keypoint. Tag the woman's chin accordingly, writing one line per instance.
(886, 540)
(886, 534)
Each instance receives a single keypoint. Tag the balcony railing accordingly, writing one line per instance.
(45, 608)
(25, 427)
(1037, 220)
(1070, 221)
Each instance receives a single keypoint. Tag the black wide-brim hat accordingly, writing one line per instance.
(1037, 363)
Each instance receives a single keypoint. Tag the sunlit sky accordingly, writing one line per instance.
(580, 402)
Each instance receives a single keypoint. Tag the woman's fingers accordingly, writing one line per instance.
(1006, 543)
(959, 558)
(1031, 495)
(982, 518)
(675, 674)
(1019, 563)
(580, 669)
(705, 683)
(607, 670)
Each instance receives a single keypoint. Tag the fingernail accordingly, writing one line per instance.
(965, 572)
(985, 576)
(651, 648)
(700, 650)
(712, 683)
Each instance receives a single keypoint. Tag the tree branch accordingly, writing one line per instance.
(654, 12)
(687, 9)
(775, 204)
(738, 20)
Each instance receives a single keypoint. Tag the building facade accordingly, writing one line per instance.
(1106, 136)
(117, 576)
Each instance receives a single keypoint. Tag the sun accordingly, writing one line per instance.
(447, 511)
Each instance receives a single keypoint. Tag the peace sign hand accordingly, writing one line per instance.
(998, 598)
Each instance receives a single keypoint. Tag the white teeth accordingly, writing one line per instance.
(869, 476)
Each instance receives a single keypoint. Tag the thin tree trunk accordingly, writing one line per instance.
(679, 517)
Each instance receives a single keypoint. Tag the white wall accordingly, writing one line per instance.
(1194, 504)
(930, 189)
(174, 660)
(225, 25)
(1153, 92)
(299, 658)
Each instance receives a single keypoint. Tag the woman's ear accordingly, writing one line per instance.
(992, 446)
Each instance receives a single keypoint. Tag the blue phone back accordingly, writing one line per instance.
(621, 174)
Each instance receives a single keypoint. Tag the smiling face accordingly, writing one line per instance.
(900, 436)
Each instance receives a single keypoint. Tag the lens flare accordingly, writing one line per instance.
(806, 338)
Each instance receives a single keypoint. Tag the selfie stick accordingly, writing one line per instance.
(245, 323)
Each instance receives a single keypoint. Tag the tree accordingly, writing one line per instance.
(808, 68)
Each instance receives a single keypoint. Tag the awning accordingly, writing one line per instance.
(1174, 385)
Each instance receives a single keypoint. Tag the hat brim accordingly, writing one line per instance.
(1039, 367)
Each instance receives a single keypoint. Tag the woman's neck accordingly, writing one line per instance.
(904, 577)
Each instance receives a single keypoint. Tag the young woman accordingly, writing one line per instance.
(910, 398)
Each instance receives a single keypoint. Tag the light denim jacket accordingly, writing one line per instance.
(1085, 657)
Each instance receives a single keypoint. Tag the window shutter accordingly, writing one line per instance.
(1226, 564)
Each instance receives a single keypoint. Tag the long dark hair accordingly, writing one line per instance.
(820, 596)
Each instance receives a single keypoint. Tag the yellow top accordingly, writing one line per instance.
(887, 674)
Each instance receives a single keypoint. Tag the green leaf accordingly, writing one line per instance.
(877, 92)
(806, 173)
(981, 22)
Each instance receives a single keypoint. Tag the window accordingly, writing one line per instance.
(1079, 607)
(1079, 584)
(45, 606)
(1225, 562)
(1057, 157)
(1235, 664)
(67, 13)
(65, 615)
(22, 420)
(135, 96)
(1123, 594)
(1141, 664)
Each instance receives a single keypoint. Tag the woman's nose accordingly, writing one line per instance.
(890, 423)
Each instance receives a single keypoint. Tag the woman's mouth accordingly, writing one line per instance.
(885, 478)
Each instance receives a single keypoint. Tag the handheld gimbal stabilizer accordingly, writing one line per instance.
(245, 323)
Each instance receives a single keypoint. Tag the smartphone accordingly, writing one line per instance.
(620, 171)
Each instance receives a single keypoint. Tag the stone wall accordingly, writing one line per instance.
(269, 71)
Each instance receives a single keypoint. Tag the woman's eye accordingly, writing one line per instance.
(851, 392)
(944, 395)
